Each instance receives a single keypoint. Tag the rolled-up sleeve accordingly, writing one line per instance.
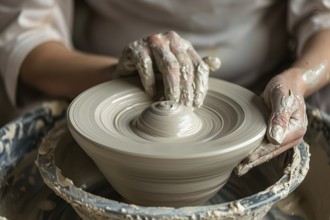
(24, 25)
(307, 17)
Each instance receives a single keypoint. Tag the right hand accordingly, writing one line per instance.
(185, 73)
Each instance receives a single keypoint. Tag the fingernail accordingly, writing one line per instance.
(277, 134)
(213, 62)
(198, 99)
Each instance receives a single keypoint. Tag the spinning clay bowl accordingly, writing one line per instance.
(161, 153)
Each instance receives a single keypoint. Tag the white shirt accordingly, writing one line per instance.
(251, 37)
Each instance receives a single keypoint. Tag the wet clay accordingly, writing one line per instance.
(167, 119)
(169, 54)
(312, 77)
(162, 153)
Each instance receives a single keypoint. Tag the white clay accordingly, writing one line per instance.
(162, 153)
(313, 76)
(213, 62)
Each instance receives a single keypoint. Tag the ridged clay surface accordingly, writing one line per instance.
(161, 153)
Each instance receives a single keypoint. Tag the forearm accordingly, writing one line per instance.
(311, 71)
(57, 71)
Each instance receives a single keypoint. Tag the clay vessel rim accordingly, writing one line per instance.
(177, 156)
(256, 110)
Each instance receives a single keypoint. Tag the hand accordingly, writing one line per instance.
(287, 122)
(185, 73)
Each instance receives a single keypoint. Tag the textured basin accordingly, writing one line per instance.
(247, 197)
(25, 196)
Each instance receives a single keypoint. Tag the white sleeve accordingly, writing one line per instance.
(24, 25)
(307, 17)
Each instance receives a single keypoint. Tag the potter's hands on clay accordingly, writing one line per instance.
(286, 125)
(185, 73)
(287, 121)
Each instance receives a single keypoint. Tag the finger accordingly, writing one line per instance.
(267, 148)
(168, 65)
(201, 77)
(288, 122)
(140, 56)
(263, 149)
(282, 106)
(187, 79)
(214, 63)
(285, 147)
(277, 127)
(269, 152)
(125, 65)
(298, 122)
(178, 48)
(263, 154)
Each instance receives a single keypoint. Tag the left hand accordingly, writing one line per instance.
(287, 122)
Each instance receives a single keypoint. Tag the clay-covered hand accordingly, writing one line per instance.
(286, 125)
(185, 73)
(287, 121)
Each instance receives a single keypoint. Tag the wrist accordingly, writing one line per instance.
(294, 76)
(312, 77)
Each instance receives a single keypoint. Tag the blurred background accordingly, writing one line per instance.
(7, 111)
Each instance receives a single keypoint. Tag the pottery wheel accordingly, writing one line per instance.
(138, 138)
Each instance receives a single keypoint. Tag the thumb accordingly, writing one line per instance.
(288, 112)
(214, 63)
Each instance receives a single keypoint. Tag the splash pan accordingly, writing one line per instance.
(69, 172)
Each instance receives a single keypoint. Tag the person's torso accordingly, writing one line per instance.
(249, 36)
